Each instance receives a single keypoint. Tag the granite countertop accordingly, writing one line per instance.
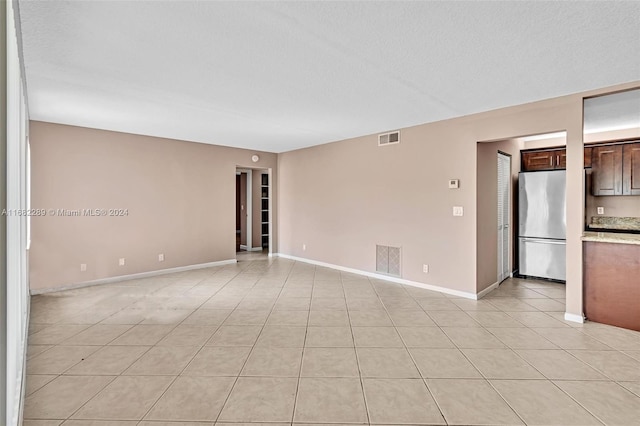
(611, 237)
(617, 223)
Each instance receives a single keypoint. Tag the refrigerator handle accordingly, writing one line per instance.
(543, 241)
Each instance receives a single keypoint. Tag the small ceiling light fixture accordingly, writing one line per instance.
(255, 158)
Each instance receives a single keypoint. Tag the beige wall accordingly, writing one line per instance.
(487, 209)
(180, 197)
(3, 205)
(342, 199)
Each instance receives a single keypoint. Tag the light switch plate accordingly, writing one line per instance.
(458, 211)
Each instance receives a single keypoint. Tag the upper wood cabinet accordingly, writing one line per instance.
(550, 159)
(631, 169)
(606, 162)
(587, 157)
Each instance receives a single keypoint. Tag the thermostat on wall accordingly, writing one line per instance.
(454, 183)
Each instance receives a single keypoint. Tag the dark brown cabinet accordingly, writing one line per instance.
(587, 157)
(552, 159)
(606, 162)
(631, 169)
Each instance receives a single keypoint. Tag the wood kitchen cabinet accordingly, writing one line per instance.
(631, 169)
(611, 287)
(587, 157)
(606, 162)
(548, 159)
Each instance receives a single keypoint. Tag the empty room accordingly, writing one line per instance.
(319, 213)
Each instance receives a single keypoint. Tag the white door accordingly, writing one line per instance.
(504, 222)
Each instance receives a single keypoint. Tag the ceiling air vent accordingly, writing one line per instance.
(391, 138)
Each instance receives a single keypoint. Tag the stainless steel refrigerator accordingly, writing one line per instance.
(543, 225)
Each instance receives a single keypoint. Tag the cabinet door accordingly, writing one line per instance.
(631, 169)
(606, 162)
(587, 157)
(538, 160)
(560, 159)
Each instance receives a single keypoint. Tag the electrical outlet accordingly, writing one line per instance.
(458, 211)
(83, 267)
(161, 257)
(600, 210)
(121, 261)
(304, 247)
(425, 269)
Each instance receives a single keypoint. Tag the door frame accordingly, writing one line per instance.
(248, 208)
(509, 221)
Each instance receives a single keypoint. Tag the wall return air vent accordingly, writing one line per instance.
(388, 260)
(391, 138)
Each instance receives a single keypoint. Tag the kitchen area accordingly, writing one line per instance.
(611, 238)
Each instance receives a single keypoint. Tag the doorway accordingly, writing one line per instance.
(504, 221)
(253, 210)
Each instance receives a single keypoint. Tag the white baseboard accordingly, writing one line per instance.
(574, 317)
(492, 287)
(255, 249)
(133, 276)
(445, 290)
(243, 247)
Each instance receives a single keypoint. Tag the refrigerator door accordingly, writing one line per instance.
(542, 204)
(543, 258)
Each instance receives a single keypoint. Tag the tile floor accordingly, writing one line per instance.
(278, 342)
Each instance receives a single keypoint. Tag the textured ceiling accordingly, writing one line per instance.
(277, 76)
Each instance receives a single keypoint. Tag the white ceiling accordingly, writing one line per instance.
(277, 76)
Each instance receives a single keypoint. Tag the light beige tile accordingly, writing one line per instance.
(33, 350)
(613, 364)
(192, 399)
(63, 396)
(132, 395)
(100, 334)
(510, 304)
(207, 317)
(472, 338)
(277, 336)
(188, 335)
(539, 402)
(59, 359)
(100, 423)
(364, 304)
(294, 318)
(130, 316)
(400, 401)
(37, 381)
(273, 362)
(330, 400)
(218, 361)
(157, 423)
(293, 304)
(546, 305)
(398, 303)
(559, 365)
(143, 335)
(521, 338)
(633, 387)
(247, 317)
(256, 303)
(430, 304)
(403, 318)
(41, 422)
(166, 316)
(494, 319)
(569, 338)
(370, 319)
(453, 319)
(109, 361)
(325, 337)
(162, 360)
(328, 319)
(425, 337)
(608, 401)
(501, 364)
(55, 334)
(471, 402)
(329, 362)
(617, 338)
(474, 305)
(386, 363)
(376, 337)
(235, 335)
(256, 399)
(536, 319)
(443, 363)
(328, 304)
